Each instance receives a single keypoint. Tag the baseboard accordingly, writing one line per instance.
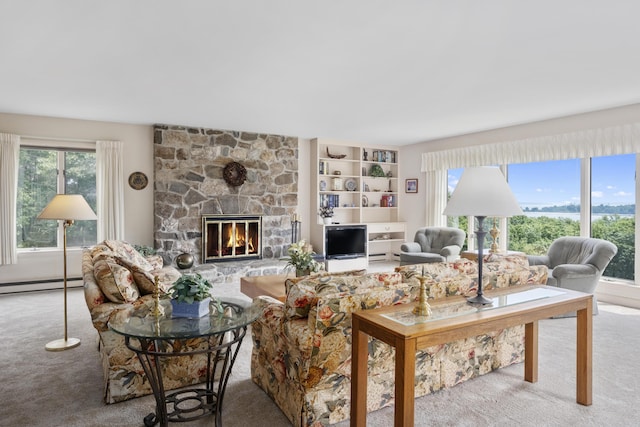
(43, 285)
(618, 293)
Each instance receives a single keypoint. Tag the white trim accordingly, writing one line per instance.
(619, 293)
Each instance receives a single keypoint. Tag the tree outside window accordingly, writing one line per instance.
(39, 181)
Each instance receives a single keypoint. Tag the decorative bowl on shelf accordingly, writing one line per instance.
(335, 156)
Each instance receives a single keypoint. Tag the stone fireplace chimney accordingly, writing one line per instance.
(189, 184)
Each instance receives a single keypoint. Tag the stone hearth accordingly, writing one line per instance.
(189, 183)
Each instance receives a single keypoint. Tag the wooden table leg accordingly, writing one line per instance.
(405, 379)
(359, 356)
(584, 354)
(531, 352)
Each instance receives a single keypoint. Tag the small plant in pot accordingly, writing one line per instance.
(190, 296)
(301, 258)
(326, 212)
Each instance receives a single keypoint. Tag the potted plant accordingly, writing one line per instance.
(190, 296)
(301, 258)
(326, 212)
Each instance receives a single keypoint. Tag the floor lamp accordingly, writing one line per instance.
(482, 192)
(68, 208)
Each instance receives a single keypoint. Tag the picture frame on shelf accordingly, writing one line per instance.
(411, 185)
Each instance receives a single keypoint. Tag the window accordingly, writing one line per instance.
(39, 181)
(549, 195)
(613, 209)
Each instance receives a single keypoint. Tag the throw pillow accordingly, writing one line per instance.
(115, 281)
(145, 280)
(128, 253)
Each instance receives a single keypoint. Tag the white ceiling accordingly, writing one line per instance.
(388, 72)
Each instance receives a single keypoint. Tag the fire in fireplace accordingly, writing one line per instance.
(226, 238)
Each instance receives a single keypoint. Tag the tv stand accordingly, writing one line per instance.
(345, 264)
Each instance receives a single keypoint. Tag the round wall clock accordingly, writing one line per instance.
(138, 180)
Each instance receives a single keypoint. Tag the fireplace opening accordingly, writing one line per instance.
(227, 238)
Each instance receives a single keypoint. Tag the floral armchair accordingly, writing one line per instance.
(118, 279)
(302, 348)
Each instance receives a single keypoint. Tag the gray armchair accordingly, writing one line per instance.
(576, 263)
(433, 244)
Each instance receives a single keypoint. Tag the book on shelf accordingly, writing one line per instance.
(330, 200)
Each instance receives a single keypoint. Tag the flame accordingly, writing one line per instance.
(239, 239)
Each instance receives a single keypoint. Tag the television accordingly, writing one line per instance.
(345, 241)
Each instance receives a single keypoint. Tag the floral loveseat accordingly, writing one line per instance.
(118, 279)
(302, 348)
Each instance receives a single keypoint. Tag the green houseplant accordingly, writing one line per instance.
(301, 258)
(190, 296)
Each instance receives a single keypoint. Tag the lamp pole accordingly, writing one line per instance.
(66, 343)
(480, 235)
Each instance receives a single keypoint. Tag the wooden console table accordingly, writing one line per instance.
(519, 305)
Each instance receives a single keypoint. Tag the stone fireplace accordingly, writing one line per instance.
(230, 238)
(189, 185)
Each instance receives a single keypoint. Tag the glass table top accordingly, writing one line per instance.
(444, 311)
(142, 324)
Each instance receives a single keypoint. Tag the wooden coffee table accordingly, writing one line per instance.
(273, 286)
(518, 305)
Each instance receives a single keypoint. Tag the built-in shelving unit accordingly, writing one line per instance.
(361, 183)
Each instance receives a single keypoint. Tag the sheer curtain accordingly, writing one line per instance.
(608, 141)
(436, 183)
(9, 160)
(110, 189)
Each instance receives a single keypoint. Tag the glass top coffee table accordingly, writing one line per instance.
(154, 337)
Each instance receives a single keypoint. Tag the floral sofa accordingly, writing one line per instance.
(118, 279)
(302, 348)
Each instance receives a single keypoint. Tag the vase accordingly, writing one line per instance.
(327, 220)
(302, 272)
(184, 261)
(190, 310)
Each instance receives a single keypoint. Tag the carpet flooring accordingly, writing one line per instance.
(41, 388)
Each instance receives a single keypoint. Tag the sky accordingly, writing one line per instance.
(558, 182)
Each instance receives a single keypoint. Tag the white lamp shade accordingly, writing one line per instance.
(482, 191)
(68, 207)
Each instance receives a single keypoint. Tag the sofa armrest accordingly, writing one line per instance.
(331, 350)
(538, 260)
(411, 247)
(449, 251)
(573, 271)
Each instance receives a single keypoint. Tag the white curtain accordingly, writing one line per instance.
(9, 160)
(110, 190)
(436, 184)
(609, 141)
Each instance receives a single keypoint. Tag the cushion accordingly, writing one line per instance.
(128, 253)
(303, 294)
(145, 280)
(115, 280)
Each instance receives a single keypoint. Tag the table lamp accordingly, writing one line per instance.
(66, 207)
(482, 192)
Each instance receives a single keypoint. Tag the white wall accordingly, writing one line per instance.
(138, 142)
